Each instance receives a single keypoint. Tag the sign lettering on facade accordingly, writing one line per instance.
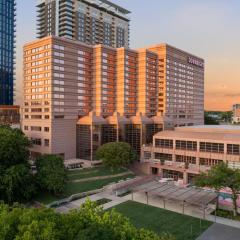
(195, 62)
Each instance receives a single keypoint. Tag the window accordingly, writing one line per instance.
(186, 159)
(233, 149)
(186, 145)
(46, 142)
(165, 143)
(211, 147)
(36, 141)
(58, 47)
(36, 128)
(59, 116)
(46, 129)
(209, 162)
(147, 155)
(163, 156)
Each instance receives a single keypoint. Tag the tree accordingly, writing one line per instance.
(51, 173)
(209, 120)
(16, 184)
(221, 176)
(116, 154)
(14, 147)
(87, 223)
(227, 116)
(16, 180)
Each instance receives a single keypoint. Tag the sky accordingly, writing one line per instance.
(206, 28)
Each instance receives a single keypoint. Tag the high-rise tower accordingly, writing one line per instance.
(7, 52)
(89, 21)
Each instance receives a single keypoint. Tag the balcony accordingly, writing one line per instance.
(178, 166)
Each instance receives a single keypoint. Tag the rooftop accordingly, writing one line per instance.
(221, 127)
(234, 129)
(218, 136)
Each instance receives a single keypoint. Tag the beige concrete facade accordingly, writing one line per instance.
(57, 90)
(77, 94)
(181, 85)
(187, 151)
(66, 80)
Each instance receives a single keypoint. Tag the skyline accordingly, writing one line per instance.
(194, 34)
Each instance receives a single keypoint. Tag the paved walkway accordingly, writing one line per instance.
(220, 232)
(76, 204)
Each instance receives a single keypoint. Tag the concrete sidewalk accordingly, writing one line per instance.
(76, 204)
(220, 232)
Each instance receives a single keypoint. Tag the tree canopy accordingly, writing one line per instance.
(221, 176)
(14, 147)
(16, 180)
(89, 222)
(17, 184)
(51, 173)
(116, 154)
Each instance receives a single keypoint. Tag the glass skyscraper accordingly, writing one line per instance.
(7, 50)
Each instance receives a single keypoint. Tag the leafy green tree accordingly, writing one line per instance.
(14, 147)
(89, 222)
(209, 120)
(227, 116)
(221, 176)
(16, 180)
(51, 173)
(16, 184)
(117, 154)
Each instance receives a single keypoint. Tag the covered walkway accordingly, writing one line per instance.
(185, 196)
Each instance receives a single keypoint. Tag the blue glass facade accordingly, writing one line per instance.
(7, 51)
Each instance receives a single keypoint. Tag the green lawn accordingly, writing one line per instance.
(159, 220)
(75, 187)
(94, 172)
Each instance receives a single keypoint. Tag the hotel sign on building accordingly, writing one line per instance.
(196, 62)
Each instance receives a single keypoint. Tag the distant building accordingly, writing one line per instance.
(9, 115)
(187, 151)
(236, 113)
(89, 21)
(7, 51)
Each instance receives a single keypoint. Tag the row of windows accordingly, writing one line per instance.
(232, 149)
(186, 145)
(211, 147)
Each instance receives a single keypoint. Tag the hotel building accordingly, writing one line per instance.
(89, 21)
(181, 85)
(7, 51)
(187, 151)
(78, 97)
